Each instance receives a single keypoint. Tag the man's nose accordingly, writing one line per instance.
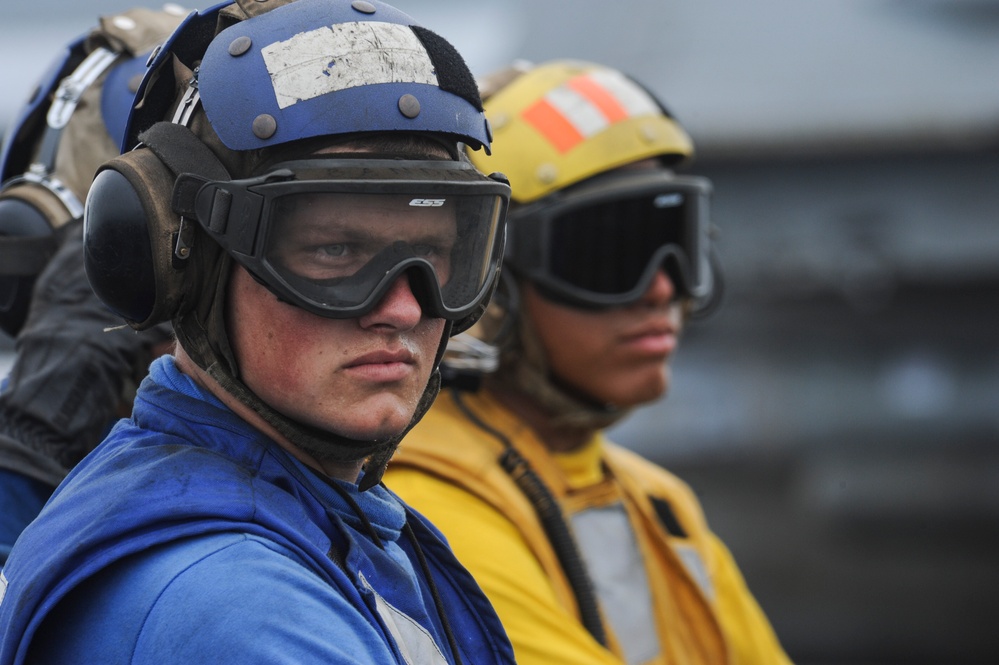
(398, 308)
(661, 290)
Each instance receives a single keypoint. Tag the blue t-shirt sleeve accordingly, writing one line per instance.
(229, 598)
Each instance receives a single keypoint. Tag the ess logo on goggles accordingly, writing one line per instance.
(599, 244)
(332, 235)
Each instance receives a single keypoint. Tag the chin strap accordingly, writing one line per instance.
(377, 462)
(524, 366)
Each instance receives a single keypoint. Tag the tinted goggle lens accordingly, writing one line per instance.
(601, 246)
(607, 247)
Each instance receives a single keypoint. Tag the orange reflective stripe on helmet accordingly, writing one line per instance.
(562, 122)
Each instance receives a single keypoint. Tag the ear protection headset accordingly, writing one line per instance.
(130, 228)
(74, 120)
(35, 199)
(130, 206)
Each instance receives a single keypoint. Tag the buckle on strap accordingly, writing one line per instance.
(71, 88)
(38, 174)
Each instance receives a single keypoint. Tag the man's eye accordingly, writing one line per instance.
(334, 250)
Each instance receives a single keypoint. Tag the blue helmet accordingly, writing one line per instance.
(259, 88)
(313, 68)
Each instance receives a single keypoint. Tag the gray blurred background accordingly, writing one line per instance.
(837, 416)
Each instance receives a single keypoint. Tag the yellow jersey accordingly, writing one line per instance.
(669, 590)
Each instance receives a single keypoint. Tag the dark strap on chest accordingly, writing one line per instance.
(552, 521)
(667, 517)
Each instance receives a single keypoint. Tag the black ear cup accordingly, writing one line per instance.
(136, 264)
(26, 243)
(128, 234)
(116, 248)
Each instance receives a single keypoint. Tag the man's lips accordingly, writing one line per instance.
(383, 365)
(653, 339)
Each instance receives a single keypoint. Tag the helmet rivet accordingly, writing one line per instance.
(123, 23)
(409, 106)
(648, 133)
(363, 7)
(240, 45)
(547, 173)
(264, 126)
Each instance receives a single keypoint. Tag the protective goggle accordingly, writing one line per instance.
(332, 235)
(600, 244)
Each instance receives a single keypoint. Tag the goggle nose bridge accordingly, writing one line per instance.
(424, 284)
(421, 277)
(673, 260)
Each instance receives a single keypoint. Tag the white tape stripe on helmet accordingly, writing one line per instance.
(345, 55)
(630, 96)
(579, 111)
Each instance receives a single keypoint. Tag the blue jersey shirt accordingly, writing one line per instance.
(189, 536)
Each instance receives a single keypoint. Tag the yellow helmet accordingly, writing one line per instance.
(561, 122)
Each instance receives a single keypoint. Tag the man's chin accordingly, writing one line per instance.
(643, 395)
(369, 433)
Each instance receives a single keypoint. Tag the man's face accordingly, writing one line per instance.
(617, 356)
(360, 377)
(614, 356)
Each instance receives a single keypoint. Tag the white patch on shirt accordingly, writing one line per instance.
(695, 566)
(345, 55)
(3, 586)
(610, 550)
(415, 644)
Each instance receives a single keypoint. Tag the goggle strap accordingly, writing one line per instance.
(185, 192)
